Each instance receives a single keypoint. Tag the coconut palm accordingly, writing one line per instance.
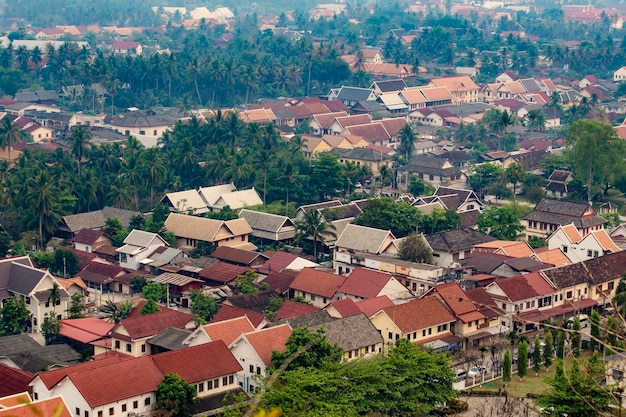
(80, 144)
(54, 297)
(42, 196)
(536, 120)
(407, 141)
(314, 225)
(10, 134)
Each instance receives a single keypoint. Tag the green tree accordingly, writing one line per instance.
(387, 214)
(548, 350)
(595, 330)
(80, 144)
(150, 307)
(560, 345)
(155, 292)
(515, 174)
(440, 221)
(419, 187)
(484, 176)
(77, 307)
(407, 141)
(54, 296)
(522, 359)
(65, 263)
(536, 355)
(175, 396)
(317, 350)
(535, 120)
(137, 284)
(500, 222)
(314, 225)
(414, 248)
(116, 312)
(596, 153)
(247, 283)
(14, 316)
(576, 337)
(50, 327)
(506, 366)
(203, 306)
(578, 393)
(10, 134)
(43, 197)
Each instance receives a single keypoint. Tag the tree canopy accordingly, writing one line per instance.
(387, 214)
(175, 396)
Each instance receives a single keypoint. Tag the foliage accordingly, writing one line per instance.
(272, 307)
(419, 187)
(225, 214)
(577, 393)
(410, 381)
(203, 306)
(50, 327)
(500, 222)
(43, 259)
(65, 263)
(595, 330)
(318, 353)
(596, 154)
(506, 366)
(613, 219)
(112, 226)
(522, 359)
(150, 307)
(484, 176)
(14, 316)
(5, 243)
(117, 312)
(387, 214)
(314, 225)
(536, 354)
(137, 284)
(548, 350)
(247, 283)
(414, 248)
(536, 242)
(560, 345)
(576, 338)
(154, 291)
(175, 396)
(440, 221)
(77, 307)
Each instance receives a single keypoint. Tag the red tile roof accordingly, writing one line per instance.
(185, 363)
(118, 381)
(85, 330)
(51, 378)
(522, 287)
(419, 314)
(227, 312)
(277, 262)
(13, 380)
(49, 407)
(151, 324)
(87, 236)
(366, 283)
(279, 281)
(222, 272)
(345, 307)
(268, 340)
(228, 330)
(456, 299)
(316, 282)
(291, 309)
(11, 400)
(374, 305)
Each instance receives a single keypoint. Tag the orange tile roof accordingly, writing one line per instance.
(374, 305)
(572, 233)
(555, 257)
(228, 330)
(185, 363)
(268, 340)
(15, 399)
(506, 247)
(366, 283)
(456, 299)
(414, 95)
(437, 93)
(227, 312)
(103, 385)
(515, 87)
(49, 407)
(51, 378)
(605, 241)
(458, 83)
(316, 282)
(419, 314)
(86, 329)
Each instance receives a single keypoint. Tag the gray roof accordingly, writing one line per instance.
(362, 238)
(24, 279)
(140, 238)
(5, 272)
(144, 119)
(30, 356)
(351, 333)
(307, 320)
(257, 302)
(530, 84)
(563, 213)
(265, 221)
(457, 240)
(389, 85)
(170, 338)
(353, 93)
(96, 219)
(596, 271)
(363, 154)
(425, 164)
(165, 257)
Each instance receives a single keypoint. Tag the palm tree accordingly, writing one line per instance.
(117, 313)
(536, 120)
(42, 197)
(54, 297)
(10, 134)
(289, 178)
(314, 225)
(154, 168)
(80, 144)
(407, 141)
(385, 173)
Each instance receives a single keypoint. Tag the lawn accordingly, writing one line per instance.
(531, 384)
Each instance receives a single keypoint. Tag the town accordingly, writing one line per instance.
(218, 211)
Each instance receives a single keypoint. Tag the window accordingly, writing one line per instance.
(123, 408)
(35, 395)
(27, 300)
(146, 401)
(430, 331)
(86, 413)
(568, 295)
(111, 411)
(201, 387)
(390, 336)
(135, 404)
(225, 380)
(598, 289)
(143, 348)
(231, 380)
(47, 303)
(470, 207)
(216, 383)
(611, 286)
(589, 253)
(209, 385)
(312, 297)
(258, 371)
(595, 254)
(100, 413)
(424, 333)
(154, 132)
(117, 344)
(129, 348)
(251, 368)
(77, 411)
(564, 248)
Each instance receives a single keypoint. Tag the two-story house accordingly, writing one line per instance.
(316, 287)
(355, 335)
(355, 238)
(364, 283)
(191, 231)
(549, 214)
(454, 245)
(138, 245)
(578, 248)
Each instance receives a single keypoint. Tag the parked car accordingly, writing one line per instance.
(476, 370)
(459, 373)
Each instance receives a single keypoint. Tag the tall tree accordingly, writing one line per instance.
(387, 214)
(414, 248)
(10, 134)
(175, 396)
(500, 222)
(594, 341)
(80, 144)
(536, 120)
(576, 337)
(548, 350)
(506, 367)
(522, 359)
(514, 174)
(43, 196)
(14, 316)
(314, 225)
(536, 354)
(407, 141)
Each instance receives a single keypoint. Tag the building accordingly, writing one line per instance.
(549, 214)
(138, 245)
(192, 231)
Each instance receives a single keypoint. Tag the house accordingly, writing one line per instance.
(228, 311)
(192, 231)
(292, 309)
(505, 247)
(501, 265)
(239, 256)
(348, 307)
(127, 48)
(20, 279)
(355, 238)
(363, 284)
(285, 262)
(549, 214)
(432, 170)
(316, 287)
(236, 200)
(179, 287)
(458, 199)
(14, 381)
(138, 245)
(82, 332)
(254, 350)
(225, 330)
(163, 259)
(578, 248)
(70, 225)
(130, 336)
(355, 335)
(619, 75)
(320, 123)
(267, 226)
(221, 273)
(22, 352)
(188, 201)
(257, 302)
(425, 321)
(462, 88)
(146, 125)
(88, 239)
(557, 185)
(168, 340)
(520, 297)
(102, 277)
(350, 96)
(454, 245)
(388, 86)
(366, 157)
